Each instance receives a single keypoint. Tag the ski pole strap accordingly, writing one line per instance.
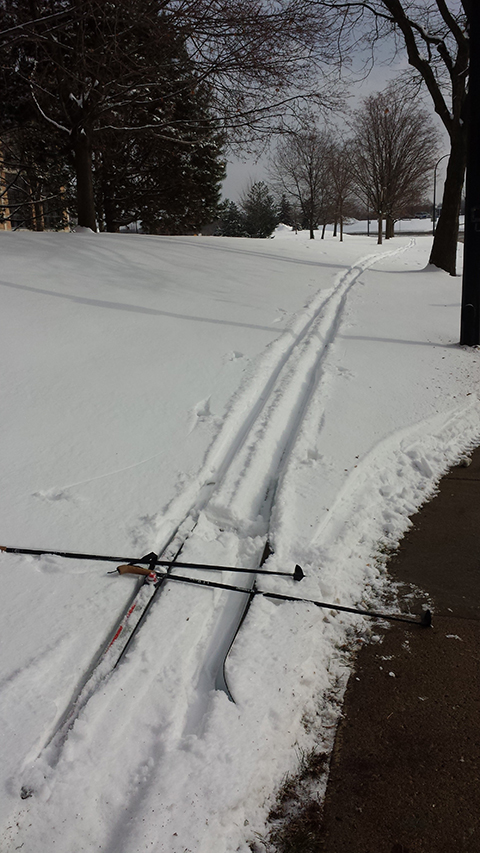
(131, 570)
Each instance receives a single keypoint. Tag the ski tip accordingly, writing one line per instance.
(298, 574)
(267, 552)
(426, 620)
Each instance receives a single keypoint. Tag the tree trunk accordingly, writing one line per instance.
(323, 230)
(312, 235)
(444, 249)
(36, 204)
(36, 208)
(380, 224)
(389, 228)
(84, 175)
(335, 227)
(39, 216)
(109, 210)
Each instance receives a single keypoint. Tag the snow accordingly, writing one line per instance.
(311, 391)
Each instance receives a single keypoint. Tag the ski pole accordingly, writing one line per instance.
(425, 619)
(72, 555)
(131, 569)
(297, 575)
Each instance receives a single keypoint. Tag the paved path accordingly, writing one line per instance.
(405, 774)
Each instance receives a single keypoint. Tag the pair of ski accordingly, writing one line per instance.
(112, 651)
(156, 570)
(120, 638)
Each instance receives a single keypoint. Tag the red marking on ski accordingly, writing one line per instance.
(120, 629)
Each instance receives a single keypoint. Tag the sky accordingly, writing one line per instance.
(242, 172)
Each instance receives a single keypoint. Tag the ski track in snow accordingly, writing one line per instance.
(236, 486)
(259, 408)
(240, 471)
(234, 495)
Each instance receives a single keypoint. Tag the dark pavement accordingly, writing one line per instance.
(405, 771)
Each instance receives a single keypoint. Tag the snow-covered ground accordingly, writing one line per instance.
(402, 226)
(311, 392)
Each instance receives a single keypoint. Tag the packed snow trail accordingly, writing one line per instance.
(258, 402)
(158, 760)
(249, 473)
(238, 481)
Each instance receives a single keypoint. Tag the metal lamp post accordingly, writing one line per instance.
(470, 318)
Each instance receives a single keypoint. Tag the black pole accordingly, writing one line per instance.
(425, 620)
(470, 316)
(297, 574)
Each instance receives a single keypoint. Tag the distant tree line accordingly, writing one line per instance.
(382, 170)
(114, 110)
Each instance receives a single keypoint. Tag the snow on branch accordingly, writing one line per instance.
(46, 117)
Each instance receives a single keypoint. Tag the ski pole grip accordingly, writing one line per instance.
(133, 570)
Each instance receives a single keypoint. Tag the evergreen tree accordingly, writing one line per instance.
(232, 222)
(172, 188)
(35, 181)
(259, 210)
(114, 81)
(285, 211)
(36, 171)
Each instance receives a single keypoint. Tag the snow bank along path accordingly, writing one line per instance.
(191, 768)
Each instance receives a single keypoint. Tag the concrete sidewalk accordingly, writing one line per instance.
(405, 771)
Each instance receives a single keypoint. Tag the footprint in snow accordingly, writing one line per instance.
(233, 356)
(282, 313)
(202, 409)
(53, 495)
(345, 372)
(50, 565)
(200, 414)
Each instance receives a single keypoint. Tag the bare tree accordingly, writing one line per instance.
(434, 35)
(393, 154)
(299, 168)
(88, 65)
(342, 182)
